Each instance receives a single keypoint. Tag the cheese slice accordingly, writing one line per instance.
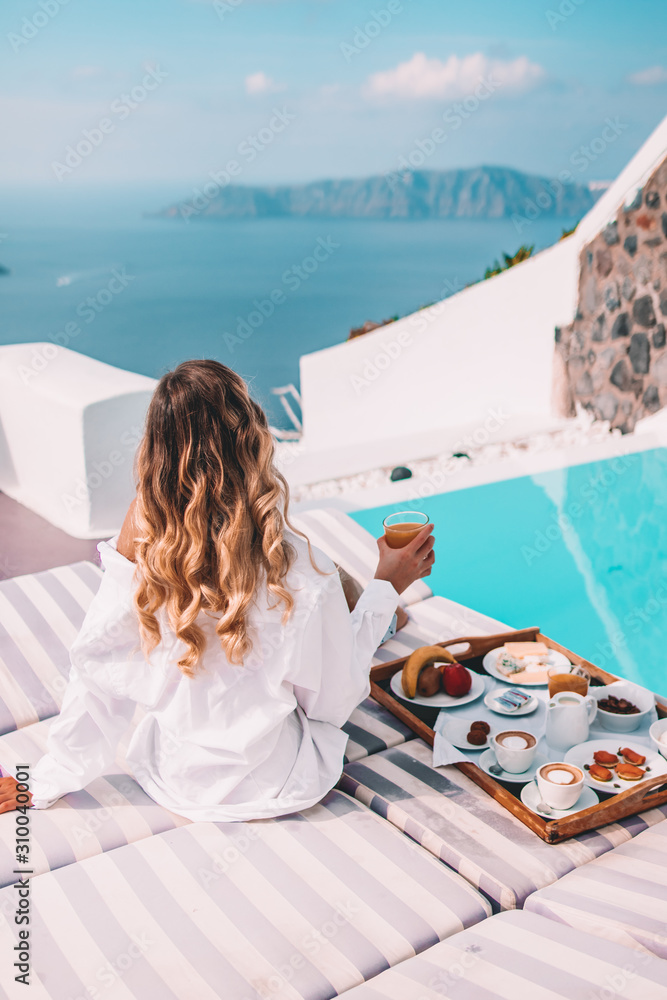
(521, 649)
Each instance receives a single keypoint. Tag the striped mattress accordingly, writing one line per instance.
(520, 956)
(452, 817)
(299, 908)
(111, 811)
(621, 897)
(114, 810)
(40, 615)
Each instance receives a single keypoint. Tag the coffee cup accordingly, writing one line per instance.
(560, 784)
(515, 750)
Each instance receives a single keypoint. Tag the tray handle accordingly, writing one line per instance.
(480, 645)
(646, 792)
(647, 795)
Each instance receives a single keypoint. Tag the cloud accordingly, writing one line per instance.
(649, 77)
(424, 78)
(260, 83)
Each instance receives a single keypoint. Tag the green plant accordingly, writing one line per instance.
(523, 253)
(567, 232)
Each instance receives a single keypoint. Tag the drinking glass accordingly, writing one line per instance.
(401, 528)
(561, 679)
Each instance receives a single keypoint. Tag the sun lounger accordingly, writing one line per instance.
(111, 811)
(301, 908)
(522, 956)
(40, 615)
(449, 815)
(621, 897)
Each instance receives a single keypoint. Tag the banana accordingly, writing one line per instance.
(416, 662)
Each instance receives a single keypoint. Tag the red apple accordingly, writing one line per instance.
(456, 680)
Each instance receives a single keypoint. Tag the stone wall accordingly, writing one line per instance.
(613, 355)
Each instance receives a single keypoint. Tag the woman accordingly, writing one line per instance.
(219, 640)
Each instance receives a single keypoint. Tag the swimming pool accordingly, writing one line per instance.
(580, 551)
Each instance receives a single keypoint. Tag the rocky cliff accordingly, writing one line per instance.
(480, 193)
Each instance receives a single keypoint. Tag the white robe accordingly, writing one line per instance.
(234, 742)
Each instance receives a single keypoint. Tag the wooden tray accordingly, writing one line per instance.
(420, 719)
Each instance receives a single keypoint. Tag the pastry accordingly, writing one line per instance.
(631, 757)
(628, 772)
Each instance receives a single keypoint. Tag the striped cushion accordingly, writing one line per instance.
(621, 896)
(372, 728)
(453, 818)
(301, 908)
(40, 615)
(518, 956)
(111, 811)
(351, 546)
(436, 619)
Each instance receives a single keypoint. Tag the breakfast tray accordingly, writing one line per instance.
(421, 719)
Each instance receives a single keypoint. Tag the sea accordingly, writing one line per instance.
(96, 271)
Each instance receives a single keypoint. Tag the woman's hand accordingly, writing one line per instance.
(401, 567)
(8, 793)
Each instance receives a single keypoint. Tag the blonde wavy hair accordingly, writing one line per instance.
(208, 518)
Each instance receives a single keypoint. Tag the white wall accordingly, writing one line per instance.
(487, 348)
(69, 427)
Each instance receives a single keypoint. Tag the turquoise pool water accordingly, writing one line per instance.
(581, 552)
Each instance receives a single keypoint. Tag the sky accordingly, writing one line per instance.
(276, 91)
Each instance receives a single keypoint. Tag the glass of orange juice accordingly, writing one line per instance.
(561, 679)
(401, 528)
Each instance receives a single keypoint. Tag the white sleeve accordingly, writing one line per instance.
(336, 647)
(97, 709)
(83, 739)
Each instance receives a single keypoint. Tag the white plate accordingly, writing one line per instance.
(530, 796)
(490, 702)
(555, 658)
(489, 757)
(455, 729)
(583, 754)
(439, 700)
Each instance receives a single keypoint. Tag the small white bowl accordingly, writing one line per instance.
(657, 730)
(615, 723)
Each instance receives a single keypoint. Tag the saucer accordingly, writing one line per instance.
(530, 796)
(455, 729)
(489, 757)
(490, 702)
